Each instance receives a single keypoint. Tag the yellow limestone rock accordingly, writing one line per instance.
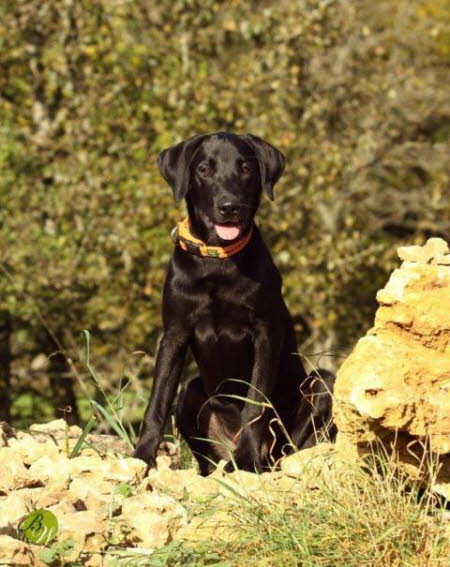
(15, 553)
(166, 480)
(56, 426)
(31, 450)
(13, 508)
(312, 466)
(395, 386)
(153, 518)
(6, 434)
(92, 495)
(128, 470)
(87, 529)
(13, 473)
(54, 469)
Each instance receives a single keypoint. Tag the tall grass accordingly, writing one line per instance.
(112, 409)
(353, 518)
(360, 520)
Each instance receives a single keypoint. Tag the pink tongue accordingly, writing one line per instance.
(227, 231)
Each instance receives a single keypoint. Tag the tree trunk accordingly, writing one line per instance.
(5, 366)
(62, 386)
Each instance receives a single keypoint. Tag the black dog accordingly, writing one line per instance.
(222, 299)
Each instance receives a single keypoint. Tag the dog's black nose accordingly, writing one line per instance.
(229, 209)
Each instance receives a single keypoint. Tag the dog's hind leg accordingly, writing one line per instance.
(190, 423)
(207, 426)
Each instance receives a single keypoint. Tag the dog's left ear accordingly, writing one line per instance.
(174, 164)
(271, 162)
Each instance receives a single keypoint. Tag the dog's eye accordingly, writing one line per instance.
(245, 169)
(204, 169)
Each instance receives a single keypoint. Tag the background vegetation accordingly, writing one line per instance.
(354, 92)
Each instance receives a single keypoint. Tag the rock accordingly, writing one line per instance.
(202, 489)
(435, 251)
(312, 466)
(442, 488)
(166, 480)
(6, 433)
(95, 560)
(87, 529)
(13, 508)
(47, 497)
(57, 426)
(153, 518)
(87, 466)
(16, 553)
(31, 450)
(394, 389)
(108, 444)
(14, 474)
(129, 470)
(54, 469)
(93, 494)
(219, 524)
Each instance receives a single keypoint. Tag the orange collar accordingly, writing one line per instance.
(185, 239)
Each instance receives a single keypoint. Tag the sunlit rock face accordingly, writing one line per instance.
(395, 386)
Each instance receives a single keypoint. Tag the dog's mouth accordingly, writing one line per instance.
(228, 231)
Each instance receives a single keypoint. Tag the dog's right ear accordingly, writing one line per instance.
(174, 164)
(271, 162)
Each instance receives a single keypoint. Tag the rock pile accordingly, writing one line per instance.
(101, 501)
(109, 509)
(394, 389)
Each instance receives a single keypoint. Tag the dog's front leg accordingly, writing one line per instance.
(169, 364)
(247, 455)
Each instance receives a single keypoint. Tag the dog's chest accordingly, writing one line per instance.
(224, 314)
(223, 335)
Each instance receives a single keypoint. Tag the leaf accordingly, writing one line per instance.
(48, 555)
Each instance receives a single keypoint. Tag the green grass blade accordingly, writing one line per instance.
(113, 423)
(87, 429)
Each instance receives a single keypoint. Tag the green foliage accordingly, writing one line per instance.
(173, 554)
(56, 554)
(112, 410)
(354, 93)
(124, 489)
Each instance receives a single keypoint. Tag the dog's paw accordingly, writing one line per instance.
(229, 467)
(145, 455)
(243, 464)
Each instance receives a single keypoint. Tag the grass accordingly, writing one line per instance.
(112, 411)
(355, 518)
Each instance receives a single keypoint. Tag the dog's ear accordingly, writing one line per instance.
(271, 162)
(174, 164)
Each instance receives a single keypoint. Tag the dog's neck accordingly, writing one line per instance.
(191, 244)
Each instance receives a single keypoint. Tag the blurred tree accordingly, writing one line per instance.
(5, 366)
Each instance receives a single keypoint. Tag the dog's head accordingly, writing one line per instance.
(222, 176)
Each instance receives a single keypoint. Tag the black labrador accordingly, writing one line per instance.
(252, 400)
